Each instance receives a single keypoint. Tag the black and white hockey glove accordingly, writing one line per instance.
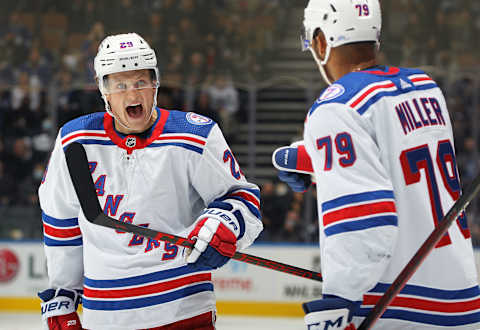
(294, 165)
(59, 309)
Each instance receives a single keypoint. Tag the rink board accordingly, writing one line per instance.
(240, 288)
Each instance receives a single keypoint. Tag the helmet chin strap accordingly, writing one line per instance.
(321, 64)
(110, 112)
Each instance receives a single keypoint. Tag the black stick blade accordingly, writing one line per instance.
(77, 164)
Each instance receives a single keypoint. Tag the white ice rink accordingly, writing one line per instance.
(26, 321)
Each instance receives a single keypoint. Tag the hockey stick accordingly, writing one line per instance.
(421, 254)
(77, 164)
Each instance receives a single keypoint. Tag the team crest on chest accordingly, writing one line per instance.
(197, 119)
(131, 141)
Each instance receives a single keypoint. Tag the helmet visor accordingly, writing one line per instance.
(120, 83)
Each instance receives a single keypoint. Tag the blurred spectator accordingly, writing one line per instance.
(196, 38)
(6, 184)
(203, 107)
(224, 100)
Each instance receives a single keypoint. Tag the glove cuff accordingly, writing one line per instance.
(328, 319)
(226, 217)
(58, 302)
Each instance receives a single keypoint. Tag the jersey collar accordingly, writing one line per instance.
(131, 142)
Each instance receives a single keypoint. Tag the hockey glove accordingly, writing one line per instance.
(297, 181)
(59, 309)
(215, 235)
(294, 165)
(329, 313)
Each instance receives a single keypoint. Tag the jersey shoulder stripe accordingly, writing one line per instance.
(365, 88)
(90, 122)
(88, 129)
(188, 141)
(359, 211)
(428, 305)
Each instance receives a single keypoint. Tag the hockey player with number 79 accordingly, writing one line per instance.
(168, 170)
(379, 143)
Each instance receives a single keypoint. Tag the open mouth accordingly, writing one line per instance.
(135, 110)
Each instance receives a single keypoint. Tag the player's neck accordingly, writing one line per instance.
(338, 68)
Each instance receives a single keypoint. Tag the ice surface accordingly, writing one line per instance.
(27, 321)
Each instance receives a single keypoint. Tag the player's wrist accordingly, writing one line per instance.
(225, 217)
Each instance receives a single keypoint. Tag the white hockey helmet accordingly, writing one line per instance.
(342, 22)
(124, 52)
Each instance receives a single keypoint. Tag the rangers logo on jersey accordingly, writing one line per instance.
(331, 92)
(131, 142)
(196, 119)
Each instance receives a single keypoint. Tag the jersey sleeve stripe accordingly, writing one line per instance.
(255, 192)
(390, 220)
(251, 207)
(70, 222)
(356, 198)
(247, 196)
(62, 232)
(55, 242)
(358, 211)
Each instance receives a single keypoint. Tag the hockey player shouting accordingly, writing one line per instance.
(167, 170)
(380, 142)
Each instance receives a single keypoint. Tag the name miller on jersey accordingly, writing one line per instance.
(423, 115)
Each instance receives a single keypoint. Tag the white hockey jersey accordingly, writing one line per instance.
(382, 149)
(162, 179)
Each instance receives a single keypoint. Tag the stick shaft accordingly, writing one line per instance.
(421, 254)
(106, 221)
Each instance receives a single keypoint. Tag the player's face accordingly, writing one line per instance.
(130, 95)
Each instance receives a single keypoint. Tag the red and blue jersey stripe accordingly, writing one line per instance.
(365, 88)
(427, 305)
(248, 197)
(87, 137)
(170, 129)
(187, 141)
(61, 232)
(145, 290)
(359, 211)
